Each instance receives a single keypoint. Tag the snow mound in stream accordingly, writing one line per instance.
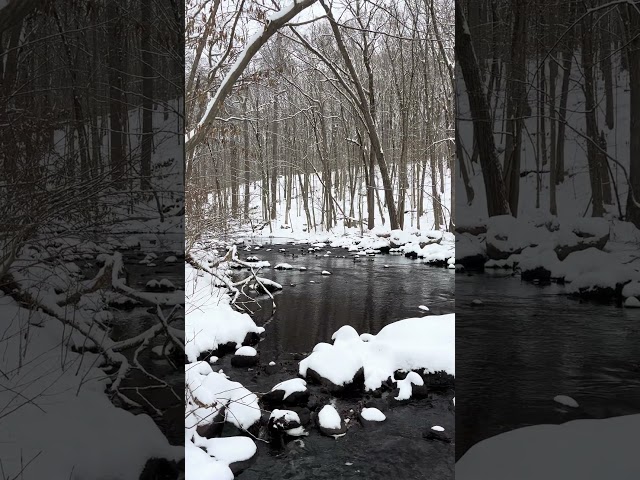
(411, 344)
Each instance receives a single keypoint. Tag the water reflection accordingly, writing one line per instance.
(363, 294)
(528, 344)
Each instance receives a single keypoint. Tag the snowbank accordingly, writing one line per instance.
(39, 430)
(584, 449)
(210, 320)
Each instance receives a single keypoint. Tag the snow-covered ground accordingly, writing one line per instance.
(63, 415)
(294, 225)
(584, 449)
(44, 385)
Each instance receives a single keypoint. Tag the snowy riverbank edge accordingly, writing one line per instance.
(585, 449)
(593, 257)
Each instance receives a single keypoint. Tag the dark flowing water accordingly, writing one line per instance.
(529, 343)
(128, 324)
(366, 295)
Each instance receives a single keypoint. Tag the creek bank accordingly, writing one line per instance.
(591, 257)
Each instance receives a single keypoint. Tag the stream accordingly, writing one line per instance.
(529, 343)
(366, 294)
(128, 324)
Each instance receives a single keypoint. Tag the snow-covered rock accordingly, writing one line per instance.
(235, 452)
(246, 351)
(286, 422)
(406, 385)
(214, 393)
(330, 422)
(245, 357)
(565, 400)
(268, 285)
(290, 392)
(411, 344)
(631, 289)
(283, 266)
(372, 415)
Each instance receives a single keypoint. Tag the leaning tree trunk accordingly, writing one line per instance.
(497, 203)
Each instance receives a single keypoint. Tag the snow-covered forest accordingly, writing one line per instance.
(91, 190)
(352, 126)
(320, 151)
(558, 86)
(548, 176)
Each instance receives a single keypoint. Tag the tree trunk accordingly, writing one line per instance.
(516, 100)
(593, 156)
(117, 97)
(497, 203)
(147, 95)
(633, 56)
(274, 159)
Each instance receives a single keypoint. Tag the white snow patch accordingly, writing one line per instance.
(210, 320)
(373, 415)
(405, 385)
(291, 386)
(328, 417)
(246, 351)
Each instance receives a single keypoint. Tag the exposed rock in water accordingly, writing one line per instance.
(538, 273)
(244, 361)
(356, 385)
(276, 398)
(325, 428)
(430, 434)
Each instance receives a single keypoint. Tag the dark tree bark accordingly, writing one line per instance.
(146, 9)
(633, 55)
(497, 203)
(516, 100)
(117, 97)
(593, 156)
